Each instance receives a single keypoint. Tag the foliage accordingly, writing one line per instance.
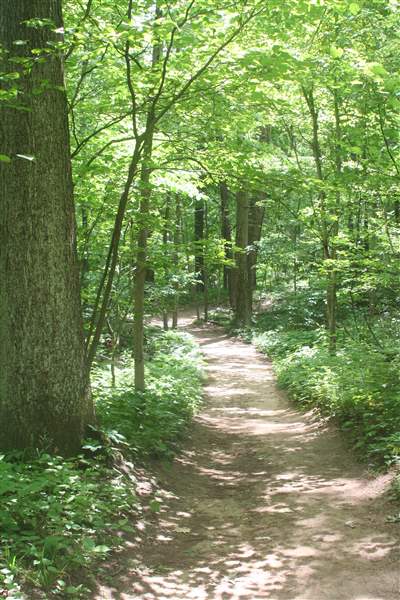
(60, 516)
(297, 104)
(221, 316)
(396, 496)
(358, 386)
(153, 422)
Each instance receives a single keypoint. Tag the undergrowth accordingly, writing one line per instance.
(359, 386)
(152, 423)
(57, 516)
(61, 516)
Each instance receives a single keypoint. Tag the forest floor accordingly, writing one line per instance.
(265, 502)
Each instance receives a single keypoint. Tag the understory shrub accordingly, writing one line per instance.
(359, 386)
(153, 423)
(58, 516)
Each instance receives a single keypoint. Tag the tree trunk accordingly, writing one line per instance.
(166, 249)
(327, 232)
(141, 260)
(256, 218)
(199, 240)
(206, 277)
(226, 233)
(144, 209)
(44, 399)
(177, 241)
(242, 307)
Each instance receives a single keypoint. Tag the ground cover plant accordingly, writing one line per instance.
(358, 386)
(158, 153)
(61, 516)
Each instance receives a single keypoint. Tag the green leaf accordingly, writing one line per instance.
(5, 158)
(88, 544)
(354, 8)
(101, 549)
(155, 506)
(336, 52)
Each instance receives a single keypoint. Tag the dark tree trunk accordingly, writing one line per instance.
(166, 250)
(175, 258)
(150, 275)
(206, 277)
(242, 307)
(141, 262)
(44, 398)
(226, 232)
(199, 240)
(256, 218)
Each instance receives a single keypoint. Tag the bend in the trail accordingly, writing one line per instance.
(266, 502)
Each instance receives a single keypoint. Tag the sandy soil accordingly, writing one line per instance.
(265, 503)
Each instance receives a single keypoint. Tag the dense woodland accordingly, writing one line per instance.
(240, 158)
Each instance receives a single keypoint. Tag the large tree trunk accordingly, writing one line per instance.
(44, 398)
(242, 307)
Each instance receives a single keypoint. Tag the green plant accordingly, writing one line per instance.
(60, 516)
(153, 423)
(57, 516)
(358, 386)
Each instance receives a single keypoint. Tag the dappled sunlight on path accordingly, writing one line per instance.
(266, 503)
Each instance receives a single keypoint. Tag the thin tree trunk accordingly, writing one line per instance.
(256, 219)
(114, 340)
(327, 233)
(165, 243)
(332, 285)
(105, 286)
(177, 241)
(205, 268)
(199, 241)
(144, 209)
(242, 308)
(226, 232)
(140, 272)
(44, 397)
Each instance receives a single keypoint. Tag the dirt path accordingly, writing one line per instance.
(266, 504)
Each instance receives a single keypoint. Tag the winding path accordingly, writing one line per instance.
(266, 502)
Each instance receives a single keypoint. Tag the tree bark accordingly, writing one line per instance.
(256, 219)
(242, 308)
(206, 274)
(175, 258)
(166, 250)
(141, 261)
(327, 232)
(226, 233)
(199, 240)
(44, 397)
(144, 209)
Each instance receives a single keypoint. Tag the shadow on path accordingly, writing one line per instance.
(266, 503)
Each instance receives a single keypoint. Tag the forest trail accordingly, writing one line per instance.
(266, 503)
